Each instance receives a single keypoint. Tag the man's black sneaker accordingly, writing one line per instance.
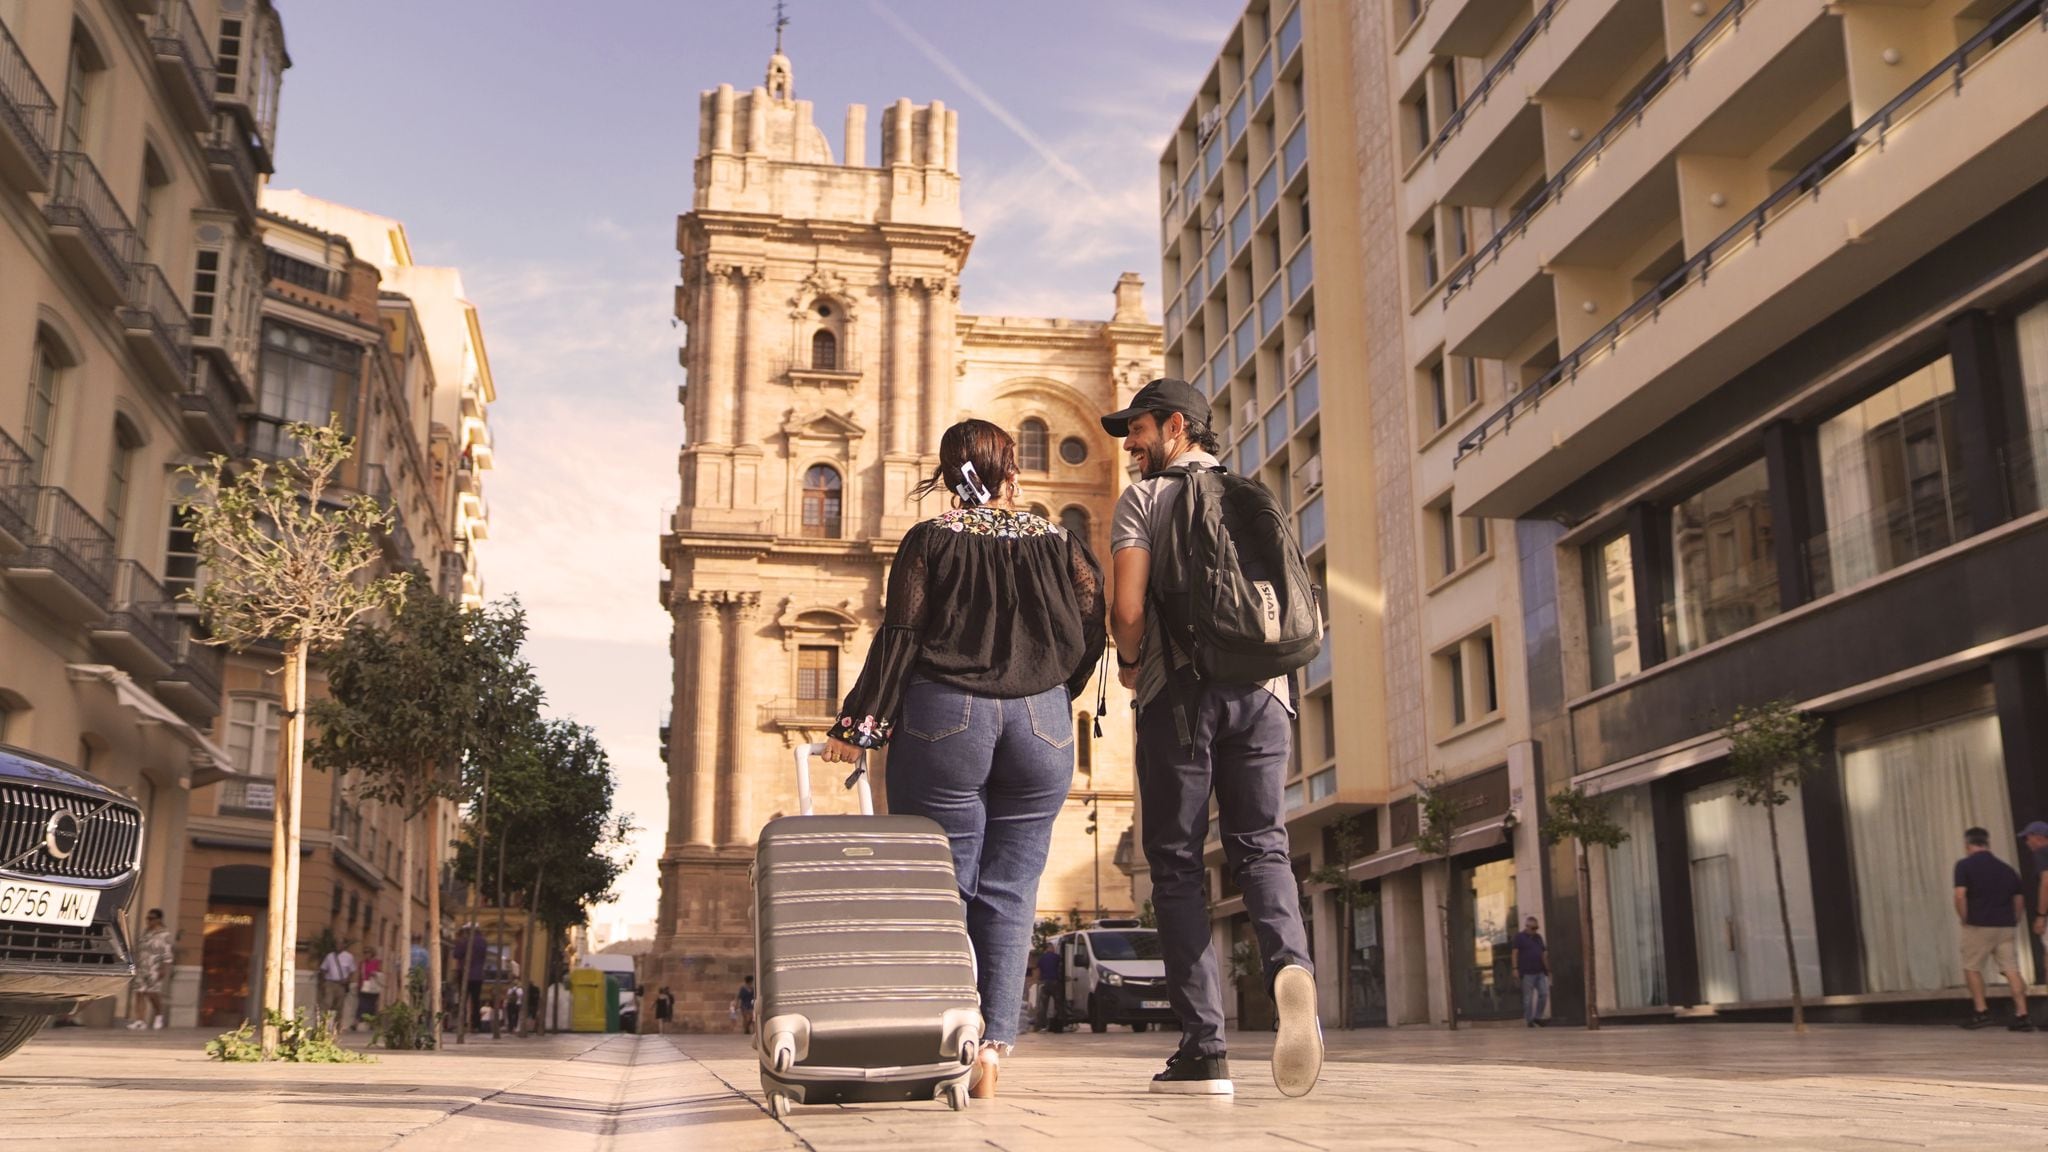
(1188, 1074)
(2020, 1024)
(1978, 1020)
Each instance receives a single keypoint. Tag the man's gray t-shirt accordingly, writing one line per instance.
(1144, 515)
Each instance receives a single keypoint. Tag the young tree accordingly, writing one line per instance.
(1437, 813)
(1347, 839)
(1772, 748)
(284, 564)
(1584, 820)
(400, 714)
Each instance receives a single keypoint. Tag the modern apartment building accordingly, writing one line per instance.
(1758, 295)
(1248, 272)
(132, 139)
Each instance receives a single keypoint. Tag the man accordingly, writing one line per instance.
(337, 975)
(1990, 901)
(1531, 959)
(154, 954)
(1051, 985)
(1196, 736)
(418, 957)
(747, 1005)
(2035, 836)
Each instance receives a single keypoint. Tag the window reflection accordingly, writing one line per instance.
(1724, 576)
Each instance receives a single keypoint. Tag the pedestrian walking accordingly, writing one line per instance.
(664, 1009)
(1213, 717)
(417, 958)
(2035, 836)
(337, 972)
(994, 627)
(370, 990)
(746, 1004)
(471, 953)
(515, 1002)
(154, 955)
(1990, 902)
(1052, 983)
(1531, 962)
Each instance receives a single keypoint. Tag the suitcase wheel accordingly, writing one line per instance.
(778, 1105)
(956, 1097)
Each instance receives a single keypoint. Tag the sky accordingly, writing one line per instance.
(545, 150)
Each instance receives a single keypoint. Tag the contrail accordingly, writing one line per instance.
(939, 61)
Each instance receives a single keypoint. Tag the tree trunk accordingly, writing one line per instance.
(1450, 982)
(1586, 939)
(504, 968)
(282, 930)
(1344, 950)
(469, 938)
(1785, 920)
(406, 861)
(274, 993)
(434, 966)
(542, 1022)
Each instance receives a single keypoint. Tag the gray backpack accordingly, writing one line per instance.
(1231, 586)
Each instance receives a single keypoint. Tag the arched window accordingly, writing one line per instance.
(1041, 511)
(1074, 519)
(1031, 446)
(44, 370)
(821, 503)
(120, 466)
(824, 351)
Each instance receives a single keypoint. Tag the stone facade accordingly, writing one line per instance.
(826, 355)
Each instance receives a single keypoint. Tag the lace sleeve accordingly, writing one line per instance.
(1086, 574)
(868, 716)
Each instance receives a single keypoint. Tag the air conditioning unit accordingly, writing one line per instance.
(1248, 415)
(1207, 126)
(1302, 356)
(1311, 474)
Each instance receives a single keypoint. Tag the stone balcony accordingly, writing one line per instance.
(159, 329)
(91, 233)
(140, 633)
(192, 686)
(184, 62)
(66, 566)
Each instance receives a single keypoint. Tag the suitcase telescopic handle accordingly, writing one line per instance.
(858, 779)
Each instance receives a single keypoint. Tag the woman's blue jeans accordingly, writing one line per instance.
(993, 773)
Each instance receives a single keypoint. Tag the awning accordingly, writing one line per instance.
(210, 762)
(1471, 839)
(1654, 766)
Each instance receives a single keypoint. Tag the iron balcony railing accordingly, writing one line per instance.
(153, 304)
(176, 31)
(1750, 228)
(80, 200)
(26, 109)
(228, 147)
(17, 489)
(144, 610)
(69, 542)
(1494, 75)
(198, 663)
(1629, 115)
(210, 394)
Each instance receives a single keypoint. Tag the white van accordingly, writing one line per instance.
(1114, 973)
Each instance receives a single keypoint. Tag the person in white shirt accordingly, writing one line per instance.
(337, 976)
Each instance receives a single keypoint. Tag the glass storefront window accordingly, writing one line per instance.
(1635, 908)
(1891, 480)
(1611, 611)
(1736, 926)
(1724, 575)
(1908, 798)
(1483, 923)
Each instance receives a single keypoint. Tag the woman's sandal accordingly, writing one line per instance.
(981, 1084)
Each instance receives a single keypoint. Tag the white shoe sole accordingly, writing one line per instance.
(1298, 1049)
(1194, 1087)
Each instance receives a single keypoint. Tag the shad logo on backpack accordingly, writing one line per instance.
(1232, 586)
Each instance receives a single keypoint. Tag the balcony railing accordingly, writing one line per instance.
(1629, 115)
(153, 307)
(80, 200)
(233, 164)
(17, 490)
(1494, 75)
(27, 113)
(180, 44)
(144, 610)
(209, 407)
(246, 796)
(1750, 229)
(68, 541)
(787, 712)
(197, 663)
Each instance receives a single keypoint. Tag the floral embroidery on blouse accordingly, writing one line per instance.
(994, 522)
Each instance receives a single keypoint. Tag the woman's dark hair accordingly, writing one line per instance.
(1198, 431)
(992, 451)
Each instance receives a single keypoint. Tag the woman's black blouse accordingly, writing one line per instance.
(1001, 604)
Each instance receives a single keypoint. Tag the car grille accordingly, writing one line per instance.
(91, 944)
(107, 839)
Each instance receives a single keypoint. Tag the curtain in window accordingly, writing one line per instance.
(1739, 934)
(1634, 906)
(2032, 331)
(1909, 798)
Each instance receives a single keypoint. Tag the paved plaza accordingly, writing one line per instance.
(1687, 1086)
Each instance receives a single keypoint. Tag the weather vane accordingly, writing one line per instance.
(781, 22)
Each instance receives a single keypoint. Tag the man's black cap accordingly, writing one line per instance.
(1165, 395)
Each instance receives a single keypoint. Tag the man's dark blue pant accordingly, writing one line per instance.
(1232, 739)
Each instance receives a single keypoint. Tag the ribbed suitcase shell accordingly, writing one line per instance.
(863, 940)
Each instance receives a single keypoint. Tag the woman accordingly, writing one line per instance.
(370, 994)
(995, 621)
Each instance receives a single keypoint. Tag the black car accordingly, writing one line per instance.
(70, 849)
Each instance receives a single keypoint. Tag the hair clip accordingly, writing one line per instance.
(970, 489)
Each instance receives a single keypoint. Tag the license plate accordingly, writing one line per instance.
(1151, 1005)
(47, 904)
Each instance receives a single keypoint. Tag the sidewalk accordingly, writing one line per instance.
(1688, 1086)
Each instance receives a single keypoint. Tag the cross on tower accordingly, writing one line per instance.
(781, 22)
